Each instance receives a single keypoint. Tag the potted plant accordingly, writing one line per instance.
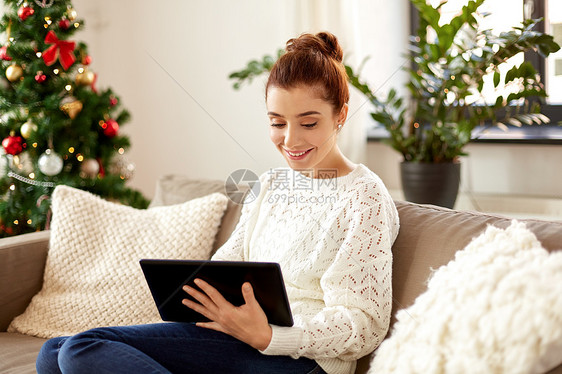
(448, 63)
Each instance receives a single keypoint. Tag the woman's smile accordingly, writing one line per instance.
(297, 155)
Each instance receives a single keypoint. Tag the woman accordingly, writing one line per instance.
(330, 224)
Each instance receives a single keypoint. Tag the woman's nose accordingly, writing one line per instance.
(291, 136)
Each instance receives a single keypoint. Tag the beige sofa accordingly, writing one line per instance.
(429, 237)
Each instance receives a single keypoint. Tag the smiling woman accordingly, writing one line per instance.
(328, 222)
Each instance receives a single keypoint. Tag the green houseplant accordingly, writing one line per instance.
(447, 66)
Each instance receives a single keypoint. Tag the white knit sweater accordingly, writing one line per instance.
(332, 238)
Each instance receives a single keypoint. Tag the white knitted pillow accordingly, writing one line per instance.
(495, 308)
(92, 275)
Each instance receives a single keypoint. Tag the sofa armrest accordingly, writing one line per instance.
(22, 263)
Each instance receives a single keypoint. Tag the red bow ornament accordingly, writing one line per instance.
(62, 49)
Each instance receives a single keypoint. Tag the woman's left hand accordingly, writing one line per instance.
(246, 322)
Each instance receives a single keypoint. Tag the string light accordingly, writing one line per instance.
(121, 151)
(32, 175)
(13, 187)
(71, 150)
(68, 87)
(29, 221)
(56, 71)
(39, 54)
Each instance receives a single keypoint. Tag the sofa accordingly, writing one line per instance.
(429, 238)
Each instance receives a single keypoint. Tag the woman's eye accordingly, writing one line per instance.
(277, 124)
(310, 125)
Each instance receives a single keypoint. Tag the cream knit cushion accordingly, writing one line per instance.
(495, 308)
(92, 275)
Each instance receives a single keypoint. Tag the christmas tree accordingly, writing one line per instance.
(56, 127)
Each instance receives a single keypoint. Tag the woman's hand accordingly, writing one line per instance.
(247, 322)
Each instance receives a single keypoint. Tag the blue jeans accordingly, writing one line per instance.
(161, 348)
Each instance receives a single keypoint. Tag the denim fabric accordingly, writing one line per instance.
(161, 348)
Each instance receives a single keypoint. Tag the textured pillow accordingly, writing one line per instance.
(495, 308)
(92, 275)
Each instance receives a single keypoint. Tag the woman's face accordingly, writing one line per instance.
(303, 127)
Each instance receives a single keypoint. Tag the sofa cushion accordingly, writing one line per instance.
(92, 275)
(494, 308)
(18, 353)
(429, 237)
(176, 189)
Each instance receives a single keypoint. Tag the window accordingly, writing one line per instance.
(504, 14)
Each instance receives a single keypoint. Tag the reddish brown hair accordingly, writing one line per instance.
(313, 60)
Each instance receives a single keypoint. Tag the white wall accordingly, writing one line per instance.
(193, 122)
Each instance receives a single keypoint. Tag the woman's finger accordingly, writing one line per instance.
(201, 297)
(212, 293)
(201, 309)
(248, 294)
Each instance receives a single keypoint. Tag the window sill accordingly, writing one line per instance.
(539, 134)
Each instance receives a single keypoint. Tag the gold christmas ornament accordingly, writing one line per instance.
(71, 14)
(85, 78)
(71, 106)
(14, 72)
(27, 129)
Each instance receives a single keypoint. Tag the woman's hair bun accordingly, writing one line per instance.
(323, 42)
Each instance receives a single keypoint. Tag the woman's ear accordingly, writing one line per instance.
(342, 116)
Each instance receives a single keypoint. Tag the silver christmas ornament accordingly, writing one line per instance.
(50, 163)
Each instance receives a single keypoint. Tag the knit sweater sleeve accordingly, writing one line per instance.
(356, 286)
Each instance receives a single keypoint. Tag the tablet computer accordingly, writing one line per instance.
(166, 278)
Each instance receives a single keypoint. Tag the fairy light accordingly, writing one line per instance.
(76, 24)
(29, 221)
(71, 150)
(32, 175)
(16, 222)
(39, 54)
(81, 70)
(416, 125)
(56, 71)
(13, 187)
(121, 151)
(34, 145)
(79, 157)
(68, 87)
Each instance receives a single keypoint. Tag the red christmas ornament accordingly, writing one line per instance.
(87, 60)
(4, 54)
(113, 101)
(24, 12)
(110, 128)
(40, 77)
(61, 49)
(13, 145)
(64, 24)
